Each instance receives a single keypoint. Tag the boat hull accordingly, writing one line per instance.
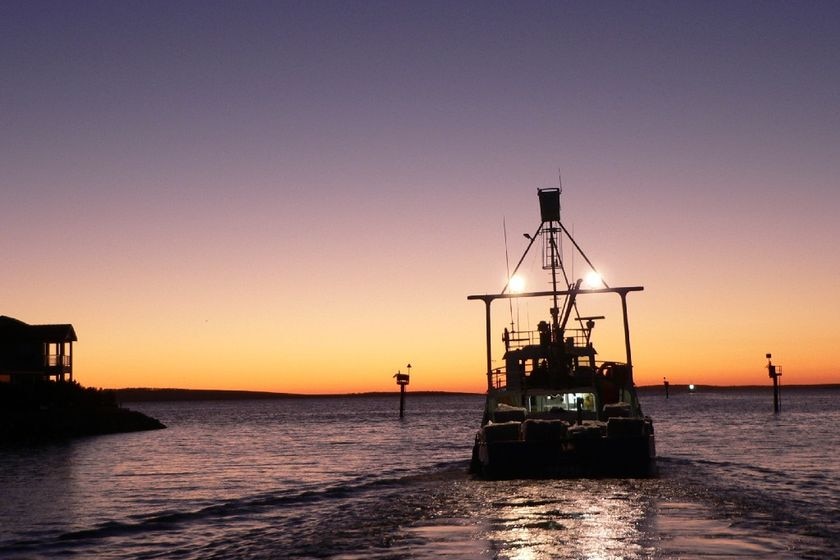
(630, 456)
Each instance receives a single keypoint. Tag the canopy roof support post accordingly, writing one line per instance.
(488, 334)
(623, 295)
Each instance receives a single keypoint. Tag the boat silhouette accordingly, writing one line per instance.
(555, 408)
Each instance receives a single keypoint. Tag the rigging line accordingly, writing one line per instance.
(560, 261)
(577, 310)
(582, 254)
(507, 265)
(574, 302)
(516, 268)
(562, 266)
(565, 275)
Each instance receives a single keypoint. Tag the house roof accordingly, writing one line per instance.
(11, 328)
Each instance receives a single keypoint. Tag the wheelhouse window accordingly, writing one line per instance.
(562, 402)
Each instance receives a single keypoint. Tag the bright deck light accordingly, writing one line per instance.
(516, 284)
(593, 280)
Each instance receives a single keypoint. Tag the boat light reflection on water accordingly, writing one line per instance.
(577, 525)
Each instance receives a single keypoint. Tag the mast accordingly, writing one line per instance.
(550, 218)
(550, 214)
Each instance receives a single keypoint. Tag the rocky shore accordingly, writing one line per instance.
(60, 410)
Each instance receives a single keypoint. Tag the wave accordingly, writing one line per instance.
(756, 497)
(245, 507)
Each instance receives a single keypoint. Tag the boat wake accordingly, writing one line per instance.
(268, 511)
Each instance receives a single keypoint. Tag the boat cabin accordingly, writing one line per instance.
(32, 353)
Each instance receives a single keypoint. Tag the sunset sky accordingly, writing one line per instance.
(299, 196)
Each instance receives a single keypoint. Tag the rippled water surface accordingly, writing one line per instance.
(345, 478)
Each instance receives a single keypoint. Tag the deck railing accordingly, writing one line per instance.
(520, 339)
(498, 377)
(56, 360)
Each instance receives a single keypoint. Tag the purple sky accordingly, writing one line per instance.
(274, 167)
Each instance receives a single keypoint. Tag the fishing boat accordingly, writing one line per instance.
(556, 408)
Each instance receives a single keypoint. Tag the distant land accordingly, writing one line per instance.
(138, 394)
(699, 388)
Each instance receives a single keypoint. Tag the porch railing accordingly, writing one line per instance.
(56, 360)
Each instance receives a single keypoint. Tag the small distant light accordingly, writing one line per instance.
(691, 387)
(516, 284)
(593, 280)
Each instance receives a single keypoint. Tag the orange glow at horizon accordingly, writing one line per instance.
(448, 355)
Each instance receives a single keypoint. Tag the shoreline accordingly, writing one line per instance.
(143, 394)
(62, 423)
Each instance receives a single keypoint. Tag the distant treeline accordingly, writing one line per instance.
(41, 395)
(147, 395)
(143, 395)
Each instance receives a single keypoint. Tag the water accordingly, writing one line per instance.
(344, 478)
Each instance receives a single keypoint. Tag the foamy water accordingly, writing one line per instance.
(345, 478)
